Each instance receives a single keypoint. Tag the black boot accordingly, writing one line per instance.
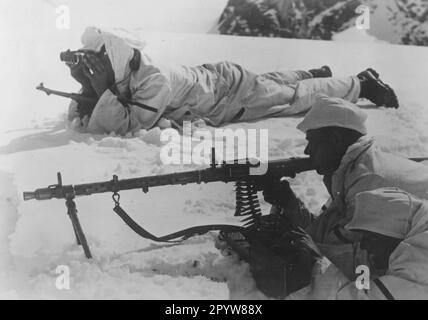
(378, 92)
(323, 72)
(372, 71)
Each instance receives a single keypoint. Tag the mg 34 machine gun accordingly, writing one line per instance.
(275, 274)
(279, 268)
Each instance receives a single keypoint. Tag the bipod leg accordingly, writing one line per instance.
(78, 231)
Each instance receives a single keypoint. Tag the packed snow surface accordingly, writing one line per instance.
(35, 143)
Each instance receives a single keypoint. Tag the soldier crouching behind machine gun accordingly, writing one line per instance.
(280, 254)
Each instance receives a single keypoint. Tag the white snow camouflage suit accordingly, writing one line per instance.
(218, 93)
(382, 211)
(364, 167)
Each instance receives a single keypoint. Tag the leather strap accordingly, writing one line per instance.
(383, 289)
(126, 103)
(176, 236)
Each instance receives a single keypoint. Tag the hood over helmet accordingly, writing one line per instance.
(119, 49)
(388, 211)
(334, 112)
(393, 212)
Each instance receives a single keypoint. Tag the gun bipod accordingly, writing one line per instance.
(78, 231)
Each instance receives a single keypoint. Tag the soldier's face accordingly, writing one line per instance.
(324, 150)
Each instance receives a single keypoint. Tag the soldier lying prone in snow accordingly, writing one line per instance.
(115, 69)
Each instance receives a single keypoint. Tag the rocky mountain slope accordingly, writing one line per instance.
(396, 21)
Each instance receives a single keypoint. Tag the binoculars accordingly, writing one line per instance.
(72, 57)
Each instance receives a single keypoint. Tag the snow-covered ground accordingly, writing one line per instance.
(36, 237)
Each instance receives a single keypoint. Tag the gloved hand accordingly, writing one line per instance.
(275, 224)
(100, 78)
(298, 248)
(77, 72)
(279, 193)
(304, 242)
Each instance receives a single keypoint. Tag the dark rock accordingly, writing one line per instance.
(321, 19)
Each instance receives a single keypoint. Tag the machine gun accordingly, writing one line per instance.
(278, 267)
(275, 275)
(240, 172)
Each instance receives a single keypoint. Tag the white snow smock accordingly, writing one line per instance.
(218, 93)
(364, 167)
(400, 214)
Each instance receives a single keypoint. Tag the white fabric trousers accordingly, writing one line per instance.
(296, 99)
